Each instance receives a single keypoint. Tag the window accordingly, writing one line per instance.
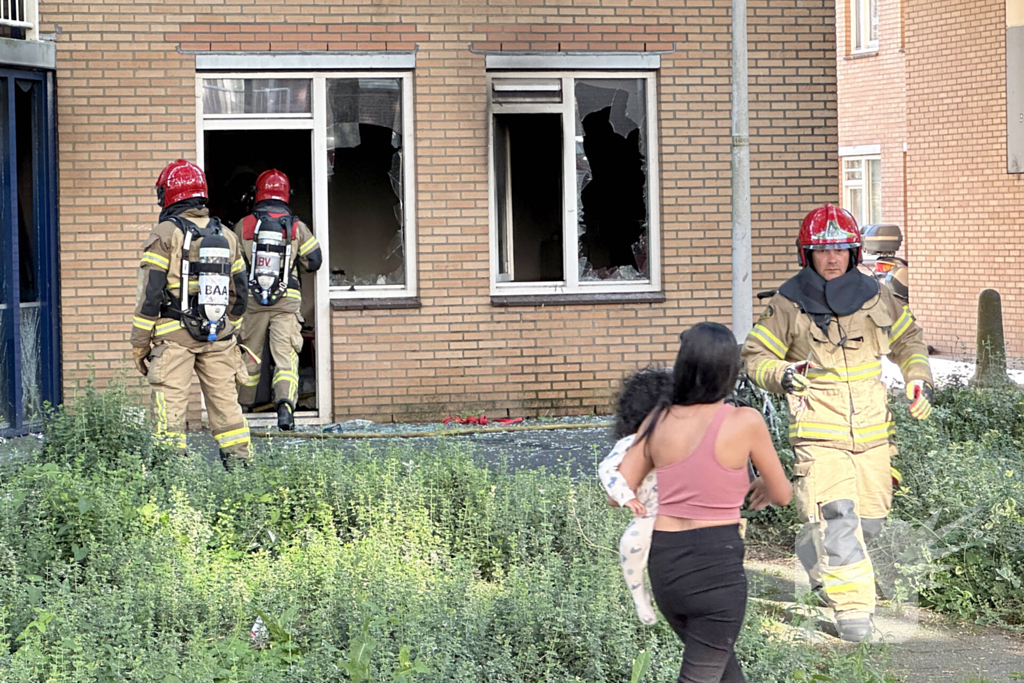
(862, 189)
(344, 139)
(864, 25)
(573, 183)
(29, 306)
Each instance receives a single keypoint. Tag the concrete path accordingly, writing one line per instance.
(925, 648)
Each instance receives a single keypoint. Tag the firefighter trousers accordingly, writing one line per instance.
(285, 332)
(842, 499)
(220, 369)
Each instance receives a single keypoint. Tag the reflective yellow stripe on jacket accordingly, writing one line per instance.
(819, 430)
(771, 342)
(901, 325)
(143, 324)
(155, 260)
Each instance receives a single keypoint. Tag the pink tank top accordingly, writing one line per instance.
(700, 487)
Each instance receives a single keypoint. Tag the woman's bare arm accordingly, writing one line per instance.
(636, 465)
(765, 459)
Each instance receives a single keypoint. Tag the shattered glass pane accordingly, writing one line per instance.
(6, 310)
(256, 96)
(31, 365)
(30, 266)
(6, 362)
(365, 184)
(611, 179)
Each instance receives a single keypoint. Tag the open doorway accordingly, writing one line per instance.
(233, 160)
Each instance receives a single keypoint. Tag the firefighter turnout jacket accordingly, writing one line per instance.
(156, 317)
(305, 253)
(847, 404)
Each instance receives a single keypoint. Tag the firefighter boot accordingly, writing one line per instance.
(854, 629)
(285, 419)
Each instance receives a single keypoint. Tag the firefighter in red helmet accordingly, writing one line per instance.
(820, 341)
(189, 304)
(275, 245)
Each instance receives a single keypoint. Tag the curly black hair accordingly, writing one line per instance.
(639, 394)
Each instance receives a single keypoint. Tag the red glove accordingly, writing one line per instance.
(921, 395)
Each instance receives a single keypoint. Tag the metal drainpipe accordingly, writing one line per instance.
(742, 292)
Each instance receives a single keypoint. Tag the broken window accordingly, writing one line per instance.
(611, 176)
(365, 159)
(571, 183)
(28, 365)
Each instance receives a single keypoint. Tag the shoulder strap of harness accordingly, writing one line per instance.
(185, 307)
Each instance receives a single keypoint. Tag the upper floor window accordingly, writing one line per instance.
(573, 183)
(862, 189)
(864, 25)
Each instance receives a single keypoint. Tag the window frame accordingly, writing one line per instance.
(860, 26)
(45, 227)
(316, 123)
(864, 185)
(572, 285)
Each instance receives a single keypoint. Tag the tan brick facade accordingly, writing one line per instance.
(964, 209)
(872, 98)
(126, 107)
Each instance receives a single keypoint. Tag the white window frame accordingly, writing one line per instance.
(864, 185)
(861, 21)
(316, 122)
(570, 258)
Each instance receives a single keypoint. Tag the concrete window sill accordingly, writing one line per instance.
(577, 299)
(382, 303)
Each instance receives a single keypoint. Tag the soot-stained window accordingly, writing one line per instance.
(611, 179)
(556, 232)
(365, 157)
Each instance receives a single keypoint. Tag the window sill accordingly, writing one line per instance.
(375, 304)
(575, 299)
(862, 55)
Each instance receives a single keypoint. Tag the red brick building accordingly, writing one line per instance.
(518, 201)
(924, 102)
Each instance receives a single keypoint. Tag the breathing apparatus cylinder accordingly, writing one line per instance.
(268, 261)
(214, 281)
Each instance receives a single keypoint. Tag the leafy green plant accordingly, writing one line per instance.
(379, 564)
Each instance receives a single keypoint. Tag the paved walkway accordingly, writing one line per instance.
(925, 648)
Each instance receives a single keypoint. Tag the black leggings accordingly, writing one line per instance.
(698, 582)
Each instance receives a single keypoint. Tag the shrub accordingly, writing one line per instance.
(389, 565)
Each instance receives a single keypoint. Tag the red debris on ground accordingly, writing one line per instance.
(481, 420)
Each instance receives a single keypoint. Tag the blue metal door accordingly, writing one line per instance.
(29, 285)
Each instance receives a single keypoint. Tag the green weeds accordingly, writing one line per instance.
(119, 562)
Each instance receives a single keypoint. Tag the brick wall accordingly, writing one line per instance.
(872, 99)
(126, 106)
(966, 212)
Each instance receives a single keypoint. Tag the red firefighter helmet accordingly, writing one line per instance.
(178, 181)
(273, 184)
(829, 227)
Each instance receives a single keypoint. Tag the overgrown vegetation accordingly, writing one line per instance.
(121, 562)
(957, 522)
